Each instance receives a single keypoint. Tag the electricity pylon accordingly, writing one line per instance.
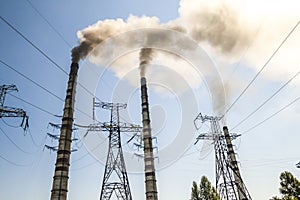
(229, 182)
(298, 165)
(57, 137)
(6, 111)
(115, 177)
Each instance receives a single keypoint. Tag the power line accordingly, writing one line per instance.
(35, 106)
(34, 142)
(33, 45)
(263, 67)
(13, 163)
(39, 50)
(47, 21)
(26, 152)
(51, 60)
(88, 153)
(42, 109)
(7, 124)
(45, 89)
(267, 100)
(273, 115)
(44, 54)
(29, 79)
(85, 166)
(40, 86)
(60, 35)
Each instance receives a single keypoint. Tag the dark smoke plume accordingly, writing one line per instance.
(217, 26)
(85, 47)
(145, 58)
(91, 37)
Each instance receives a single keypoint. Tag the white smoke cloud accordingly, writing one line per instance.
(228, 30)
(216, 23)
(95, 34)
(258, 25)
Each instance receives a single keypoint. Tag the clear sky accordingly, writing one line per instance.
(179, 90)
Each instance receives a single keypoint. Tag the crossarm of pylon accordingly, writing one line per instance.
(6, 111)
(12, 112)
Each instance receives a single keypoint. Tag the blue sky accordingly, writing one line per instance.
(264, 152)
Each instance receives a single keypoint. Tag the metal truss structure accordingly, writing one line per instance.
(115, 179)
(6, 111)
(229, 182)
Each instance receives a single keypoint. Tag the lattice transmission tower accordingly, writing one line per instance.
(115, 179)
(6, 111)
(229, 182)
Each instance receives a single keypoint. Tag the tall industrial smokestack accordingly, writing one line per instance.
(150, 179)
(61, 175)
(241, 188)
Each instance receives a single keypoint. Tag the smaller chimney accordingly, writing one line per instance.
(242, 191)
(150, 179)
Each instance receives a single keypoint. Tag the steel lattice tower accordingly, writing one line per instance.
(229, 182)
(115, 176)
(6, 111)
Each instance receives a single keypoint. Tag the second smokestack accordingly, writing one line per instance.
(150, 178)
(241, 188)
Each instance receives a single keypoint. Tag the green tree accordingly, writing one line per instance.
(205, 191)
(195, 192)
(289, 187)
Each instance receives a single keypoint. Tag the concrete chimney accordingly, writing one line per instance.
(150, 179)
(61, 175)
(242, 191)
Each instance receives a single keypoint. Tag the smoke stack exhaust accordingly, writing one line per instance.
(150, 179)
(61, 175)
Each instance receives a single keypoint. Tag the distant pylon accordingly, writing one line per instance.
(115, 177)
(56, 137)
(6, 111)
(229, 182)
(298, 165)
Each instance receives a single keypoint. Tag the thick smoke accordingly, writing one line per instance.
(214, 26)
(217, 26)
(81, 51)
(92, 36)
(145, 58)
(215, 23)
(224, 28)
